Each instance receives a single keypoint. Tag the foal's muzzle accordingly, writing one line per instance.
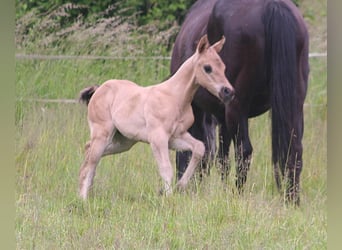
(226, 94)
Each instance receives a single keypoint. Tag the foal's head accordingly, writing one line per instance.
(209, 69)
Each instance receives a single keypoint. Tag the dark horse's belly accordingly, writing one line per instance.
(259, 105)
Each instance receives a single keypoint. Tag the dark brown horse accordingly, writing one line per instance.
(266, 57)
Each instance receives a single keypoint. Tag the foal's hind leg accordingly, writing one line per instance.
(95, 149)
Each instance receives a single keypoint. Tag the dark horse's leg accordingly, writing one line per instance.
(223, 151)
(243, 152)
(203, 129)
(236, 129)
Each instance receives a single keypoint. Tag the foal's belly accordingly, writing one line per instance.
(132, 131)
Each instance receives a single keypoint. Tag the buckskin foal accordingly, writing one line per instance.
(121, 113)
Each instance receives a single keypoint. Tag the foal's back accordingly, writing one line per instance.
(121, 95)
(120, 104)
(118, 93)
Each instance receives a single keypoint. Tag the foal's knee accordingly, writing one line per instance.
(198, 150)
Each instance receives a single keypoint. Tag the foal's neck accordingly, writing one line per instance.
(183, 82)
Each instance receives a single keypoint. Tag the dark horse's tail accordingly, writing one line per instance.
(87, 93)
(282, 71)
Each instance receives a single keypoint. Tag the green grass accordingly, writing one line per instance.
(65, 78)
(124, 210)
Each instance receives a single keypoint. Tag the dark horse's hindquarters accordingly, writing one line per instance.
(266, 57)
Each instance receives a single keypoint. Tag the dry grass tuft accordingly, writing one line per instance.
(60, 29)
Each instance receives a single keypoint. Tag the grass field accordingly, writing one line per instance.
(125, 210)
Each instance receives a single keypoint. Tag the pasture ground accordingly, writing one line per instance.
(125, 210)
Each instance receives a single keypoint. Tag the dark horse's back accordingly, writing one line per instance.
(266, 57)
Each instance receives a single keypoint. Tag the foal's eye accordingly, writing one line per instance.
(207, 69)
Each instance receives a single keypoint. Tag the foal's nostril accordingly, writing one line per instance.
(226, 94)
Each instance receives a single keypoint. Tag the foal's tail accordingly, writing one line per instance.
(87, 93)
(282, 71)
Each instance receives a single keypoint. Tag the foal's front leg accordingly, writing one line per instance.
(187, 142)
(159, 144)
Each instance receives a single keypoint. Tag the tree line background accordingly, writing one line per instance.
(139, 27)
(146, 10)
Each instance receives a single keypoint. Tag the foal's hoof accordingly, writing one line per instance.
(180, 188)
(163, 192)
(82, 197)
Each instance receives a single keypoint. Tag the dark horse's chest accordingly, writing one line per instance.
(244, 53)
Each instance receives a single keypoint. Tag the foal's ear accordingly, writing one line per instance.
(203, 44)
(219, 45)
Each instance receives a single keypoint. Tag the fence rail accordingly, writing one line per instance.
(90, 57)
(73, 101)
(67, 101)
